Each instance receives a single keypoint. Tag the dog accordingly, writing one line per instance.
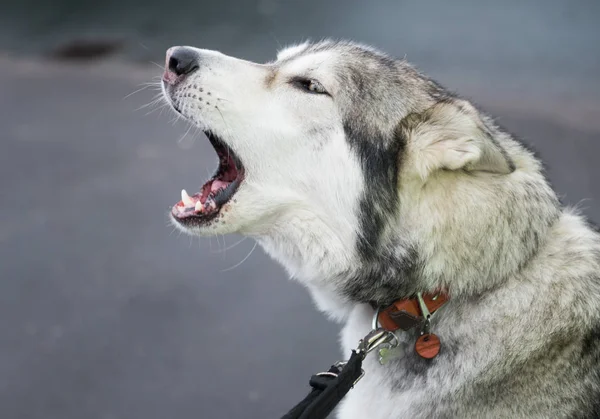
(370, 183)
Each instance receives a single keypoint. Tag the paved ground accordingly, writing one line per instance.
(105, 313)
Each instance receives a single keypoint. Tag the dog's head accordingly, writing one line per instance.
(339, 146)
(283, 131)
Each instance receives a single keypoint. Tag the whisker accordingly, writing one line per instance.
(233, 245)
(224, 251)
(185, 135)
(276, 40)
(153, 102)
(136, 91)
(218, 242)
(155, 109)
(158, 65)
(243, 260)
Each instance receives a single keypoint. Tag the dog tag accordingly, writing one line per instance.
(388, 353)
(428, 346)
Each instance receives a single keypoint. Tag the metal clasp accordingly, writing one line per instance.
(371, 341)
(374, 339)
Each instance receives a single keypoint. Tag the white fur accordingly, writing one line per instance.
(302, 183)
(474, 201)
(290, 51)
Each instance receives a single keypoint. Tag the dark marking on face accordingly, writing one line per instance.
(270, 78)
(379, 152)
(386, 275)
(380, 167)
(386, 271)
(388, 265)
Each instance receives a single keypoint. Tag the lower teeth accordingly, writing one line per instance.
(189, 205)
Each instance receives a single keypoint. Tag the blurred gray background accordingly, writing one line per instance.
(105, 312)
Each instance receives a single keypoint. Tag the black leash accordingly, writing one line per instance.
(329, 388)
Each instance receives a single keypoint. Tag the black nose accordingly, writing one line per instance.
(183, 61)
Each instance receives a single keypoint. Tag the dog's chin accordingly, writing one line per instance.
(221, 225)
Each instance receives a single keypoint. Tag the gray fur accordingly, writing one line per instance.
(520, 334)
(450, 201)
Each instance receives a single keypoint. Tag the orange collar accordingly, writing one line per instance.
(406, 314)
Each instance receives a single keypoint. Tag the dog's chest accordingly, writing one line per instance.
(405, 386)
(395, 390)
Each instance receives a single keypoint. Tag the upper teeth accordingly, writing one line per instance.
(185, 198)
(198, 206)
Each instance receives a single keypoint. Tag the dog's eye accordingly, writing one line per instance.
(311, 86)
(316, 87)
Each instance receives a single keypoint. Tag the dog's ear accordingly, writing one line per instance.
(451, 135)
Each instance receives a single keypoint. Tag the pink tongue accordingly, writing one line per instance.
(218, 184)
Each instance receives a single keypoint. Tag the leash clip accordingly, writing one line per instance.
(374, 339)
(370, 342)
(388, 349)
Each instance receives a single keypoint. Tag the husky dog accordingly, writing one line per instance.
(370, 183)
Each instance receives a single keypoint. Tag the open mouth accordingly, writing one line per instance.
(205, 205)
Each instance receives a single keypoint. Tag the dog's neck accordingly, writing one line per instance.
(311, 249)
(326, 259)
(419, 252)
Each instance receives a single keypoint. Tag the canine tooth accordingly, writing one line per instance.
(185, 198)
(198, 206)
